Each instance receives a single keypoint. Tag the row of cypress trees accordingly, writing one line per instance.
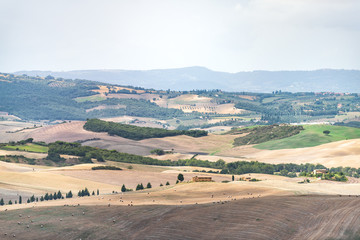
(51, 196)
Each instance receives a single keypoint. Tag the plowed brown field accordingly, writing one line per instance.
(290, 217)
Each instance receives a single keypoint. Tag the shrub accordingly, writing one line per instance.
(106, 168)
(158, 152)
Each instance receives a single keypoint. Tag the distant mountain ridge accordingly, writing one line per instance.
(202, 78)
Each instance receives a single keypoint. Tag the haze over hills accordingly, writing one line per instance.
(202, 78)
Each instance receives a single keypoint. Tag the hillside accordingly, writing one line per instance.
(49, 98)
(199, 77)
(312, 136)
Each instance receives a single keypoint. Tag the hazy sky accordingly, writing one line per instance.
(224, 35)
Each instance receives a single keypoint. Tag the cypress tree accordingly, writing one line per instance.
(123, 188)
(93, 193)
(46, 196)
(41, 198)
(148, 185)
(20, 200)
(167, 183)
(86, 192)
(97, 192)
(69, 194)
(2, 202)
(50, 196)
(10, 202)
(59, 195)
(28, 201)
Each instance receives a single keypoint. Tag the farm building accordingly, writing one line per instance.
(201, 179)
(318, 171)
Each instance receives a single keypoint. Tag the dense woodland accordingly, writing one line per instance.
(135, 132)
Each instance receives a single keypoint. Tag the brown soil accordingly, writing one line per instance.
(286, 217)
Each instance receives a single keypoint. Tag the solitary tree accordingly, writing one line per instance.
(10, 202)
(97, 192)
(167, 183)
(123, 188)
(180, 177)
(93, 193)
(2, 202)
(326, 132)
(20, 199)
(148, 185)
(232, 178)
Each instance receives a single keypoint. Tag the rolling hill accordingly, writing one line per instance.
(202, 78)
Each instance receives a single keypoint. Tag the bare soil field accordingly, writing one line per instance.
(285, 217)
(13, 131)
(74, 132)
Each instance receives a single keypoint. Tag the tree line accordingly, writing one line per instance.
(239, 167)
(135, 132)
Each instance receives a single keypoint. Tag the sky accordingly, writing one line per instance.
(230, 36)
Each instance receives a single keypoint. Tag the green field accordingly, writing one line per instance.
(312, 136)
(92, 98)
(28, 147)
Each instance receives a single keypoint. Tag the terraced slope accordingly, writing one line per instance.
(296, 217)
